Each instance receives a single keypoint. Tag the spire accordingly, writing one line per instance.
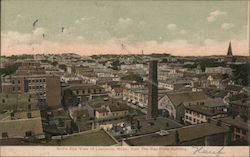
(229, 51)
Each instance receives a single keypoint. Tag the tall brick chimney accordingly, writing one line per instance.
(152, 90)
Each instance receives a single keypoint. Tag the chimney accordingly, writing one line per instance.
(138, 124)
(208, 120)
(177, 137)
(29, 115)
(167, 124)
(213, 110)
(152, 111)
(233, 116)
(12, 115)
(29, 107)
(219, 123)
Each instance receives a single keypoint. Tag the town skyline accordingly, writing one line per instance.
(94, 27)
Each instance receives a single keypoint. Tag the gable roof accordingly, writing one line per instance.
(180, 97)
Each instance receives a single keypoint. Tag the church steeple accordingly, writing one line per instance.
(229, 51)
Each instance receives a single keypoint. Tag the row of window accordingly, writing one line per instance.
(238, 130)
(195, 113)
(27, 134)
(87, 91)
(35, 87)
(3, 100)
(37, 80)
(193, 119)
(16, 89)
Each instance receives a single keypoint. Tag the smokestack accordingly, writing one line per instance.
(12, 115)
(177, 137)
(29, 115)
(152, 90)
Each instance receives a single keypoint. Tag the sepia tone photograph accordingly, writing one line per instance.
(106, 77)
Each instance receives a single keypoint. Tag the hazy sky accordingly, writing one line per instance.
(93, 27)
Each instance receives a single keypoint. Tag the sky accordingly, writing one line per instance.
(88, 27)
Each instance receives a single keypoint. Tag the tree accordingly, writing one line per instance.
(116, 64)
(63, 67)
(9, 70)
(241, 74)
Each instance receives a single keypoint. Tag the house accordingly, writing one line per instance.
(21, 125)
(205, 134)
(234, 89)
(83, 91)
(214, 80)
(117, 92)
(216, 104)
(239, 128)
(240, 107)
(173, 103)
(195, 114)
(218, 70)
(111, 110)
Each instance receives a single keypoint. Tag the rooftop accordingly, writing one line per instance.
(17, 101)
(88, 138)
(179, 97)
(153, 125)
(215, 103)
(204, 110)
(187, 133)
(237, 121)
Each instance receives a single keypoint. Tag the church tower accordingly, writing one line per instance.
(229, 51)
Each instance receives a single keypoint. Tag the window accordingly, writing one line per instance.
(28, 133)
(194, 120)
(13, 82)
(19, 81)
(29, 107)
(237, 137)
(186, 117)
(89, 91)
(13, 89)
(244, 132)
(3, 100)
(4, 135)
(29, 115)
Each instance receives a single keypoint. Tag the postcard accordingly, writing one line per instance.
(124, 78)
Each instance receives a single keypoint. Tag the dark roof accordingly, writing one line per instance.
(83, 86)
(215, 103)
(180, 97)
(242, 102)
(236, 88)
(237, 97)
(237, 121)
(187, 133)
(204, 110)
(118, 107)
(101, 110)
(132, 77)
(154, 125)
(214, 92)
